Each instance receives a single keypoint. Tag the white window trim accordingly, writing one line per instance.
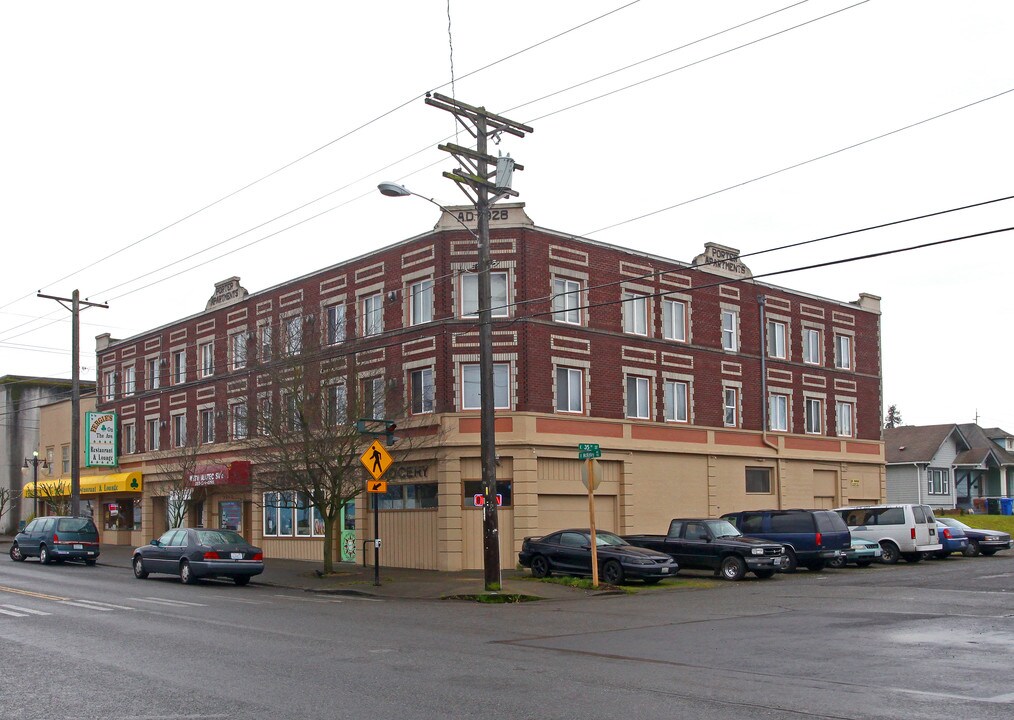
(637, 377)
(205, 370)
(510, 384)
(201, 410)
(633, 299)
(326, 306)
(497, 309)
(582, 373)
(734, 330)
(819, 329)
(128, 374)
(808, 415)
(666, 330)
(687, 401)
(738, 408)
(242, 337)
(366, 315)
(851, 358)
(786, 333)
(414, 303)
(433, 391)
(123, 429)
(571, 299)
(148, 420)
(786, 397)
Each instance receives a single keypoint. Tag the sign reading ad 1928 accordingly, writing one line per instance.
(100, 439)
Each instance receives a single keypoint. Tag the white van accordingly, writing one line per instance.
(901, 529)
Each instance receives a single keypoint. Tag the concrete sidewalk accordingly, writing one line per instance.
(354, 579)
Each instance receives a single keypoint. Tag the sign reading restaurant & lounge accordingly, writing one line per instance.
(100, 439)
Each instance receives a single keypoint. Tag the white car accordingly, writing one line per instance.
(903, 530)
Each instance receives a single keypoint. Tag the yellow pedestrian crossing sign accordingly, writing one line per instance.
(376, 460)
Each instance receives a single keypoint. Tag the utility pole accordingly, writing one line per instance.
(477, 177)
(75, 397)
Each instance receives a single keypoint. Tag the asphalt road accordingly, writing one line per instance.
(927, 641)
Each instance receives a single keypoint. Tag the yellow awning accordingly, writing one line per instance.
(90, 485)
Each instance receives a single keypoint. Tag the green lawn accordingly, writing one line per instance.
(1004, 523)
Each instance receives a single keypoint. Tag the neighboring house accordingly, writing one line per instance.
(947, 466)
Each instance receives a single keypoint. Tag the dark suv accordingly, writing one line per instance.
(57, 538)
(810, 537)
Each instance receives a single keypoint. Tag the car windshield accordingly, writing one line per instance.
(607, 538)
(723, 528)
(953, 523)
(219, 537)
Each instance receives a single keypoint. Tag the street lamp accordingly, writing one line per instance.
(35, 477)
(487, 438)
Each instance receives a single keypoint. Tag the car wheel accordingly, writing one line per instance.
(241, 580)
(139, 572)
(612, 572)
(733, 568)
(890, 553)
(838, 562)
(44, 555)
(791, 563)
(912, 557)
(764, 574)
(540, 567)
(815, 565)
(187, 576)
(989, 553)
(972, 549)
(90, 562)
(15, 553)
(863, 563)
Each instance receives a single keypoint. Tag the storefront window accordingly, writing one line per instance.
(285, 514)
(503, 488)
(350, 515)
(121, 514)
(230, 515)
(289, 513)
(409, 496)
(302, 515)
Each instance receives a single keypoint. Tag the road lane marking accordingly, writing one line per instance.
(29, 593)
(303, 599)
(19, 609)
(83, 605)
(172, 603)
(98, 605)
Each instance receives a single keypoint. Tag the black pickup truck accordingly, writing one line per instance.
(715, 545)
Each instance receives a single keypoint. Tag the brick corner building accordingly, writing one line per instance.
(708, 391)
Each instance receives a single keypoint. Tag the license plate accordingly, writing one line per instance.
(665, 570)
(90, 552)
(79, 547)
(237, 556)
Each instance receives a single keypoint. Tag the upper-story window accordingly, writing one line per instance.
(179, 367)
(266, 342)
(237, 350)
(730, 407)
(567, 301)
(638, 397)
(337, 403)
(778, 412)
(635, 313)
(420, 302)
(206, 352)
(776, 340)
(335, 324)
(293, 328)
(677, 404)
(109, 385)
(238, 421)
(373, 314)
(811, 346)
(843, 352)
(471, 398)
(814, 414)
(569, 390)
(730, 330)
(422, 391)
(497, 290)
(153, 373)
(208, 425)
(64, 459)
(674, 320)
(844, 412)
(374, 396)
(129, 438)
(129, 380)
(153, 428)
(179, 430)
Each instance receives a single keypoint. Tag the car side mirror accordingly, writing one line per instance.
(155, 543)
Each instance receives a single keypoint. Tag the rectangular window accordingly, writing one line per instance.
(470, 396)
(504, 488)
(207, 355)
(638, 397)
(208, 426)
(129, 438)
(65, 459)
(778, 413)
(50, 460)
(337, 403)
(129, 378)
(179, 430)
(758, 480)
(293, 328)
(938, 481)
(569, 390)
(676, 401)
(335, 324)
(814, 411)
(674, 320)
(635, 313)
(730, 330)
(843, 414)
(498, 294)
(811, 346)
(179, 367)
(237, 350)
(265, 415)
(154, 367)
(154, 427)
(731, 407)
(373, 314)
(109, 385)
(293, 412)
(267, 342)
(421, 302)
(842, 352)
(373, 396)
(238, 421)
(776, 340)
(567, 301)
(422, 391)
(409, 496)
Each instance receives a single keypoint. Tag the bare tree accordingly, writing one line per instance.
(56, 494)
(304, 438)
(6, 502)
(176, 467)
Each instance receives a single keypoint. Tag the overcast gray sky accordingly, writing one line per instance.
(124, 121)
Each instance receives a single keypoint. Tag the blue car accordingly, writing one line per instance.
(952, 538)
(980, 542)
(862, 553)
(811, 538)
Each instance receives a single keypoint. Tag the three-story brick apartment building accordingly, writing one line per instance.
(707, 391)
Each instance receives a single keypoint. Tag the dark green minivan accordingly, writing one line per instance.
(57, 538)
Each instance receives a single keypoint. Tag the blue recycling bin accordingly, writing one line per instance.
(1006, 506)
